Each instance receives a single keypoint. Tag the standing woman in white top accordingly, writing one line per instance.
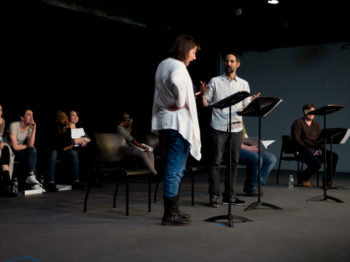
(174, 116)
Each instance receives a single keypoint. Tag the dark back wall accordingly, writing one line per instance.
(61, 59)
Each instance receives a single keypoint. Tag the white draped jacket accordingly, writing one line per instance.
(174, 104)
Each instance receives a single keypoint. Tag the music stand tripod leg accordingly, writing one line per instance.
(255, 205)
(325, 196)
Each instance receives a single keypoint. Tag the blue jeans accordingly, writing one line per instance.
(27, 156)
(177, 152)
(250, 160)
(72, 155)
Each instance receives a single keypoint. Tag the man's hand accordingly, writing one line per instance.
(203, 89)
(32, 124)
(255, 96)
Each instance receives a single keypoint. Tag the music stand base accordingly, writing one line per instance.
(229, 219)
(257, 204)
(324, 198)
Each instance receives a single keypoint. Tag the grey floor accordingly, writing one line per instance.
(53, 227)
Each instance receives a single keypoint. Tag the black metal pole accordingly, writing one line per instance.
(230, 220)
(259, 164)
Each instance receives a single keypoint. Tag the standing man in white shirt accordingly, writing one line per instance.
(217, 89)
(174, 116)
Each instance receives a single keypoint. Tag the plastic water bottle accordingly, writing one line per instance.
(15, 186)
(291, 182)
(41, 180)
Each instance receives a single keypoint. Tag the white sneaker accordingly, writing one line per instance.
(32, 180)
(36, 187)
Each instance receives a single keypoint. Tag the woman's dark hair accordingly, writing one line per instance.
(181, 46)
(80, 122)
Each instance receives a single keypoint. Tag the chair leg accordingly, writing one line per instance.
(300, 170)
(149, 178)
(278, 170)
(86, 197)
(115, 192)
(127, 196)
(192, 178)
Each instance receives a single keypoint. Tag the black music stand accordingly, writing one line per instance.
(228, 102)
(260, 107)
(330, 136)
(323, 111)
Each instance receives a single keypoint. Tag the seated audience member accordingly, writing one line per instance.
(62, 143)
(304, 132)
(249, 156)
(134, 148)
(84, 150)
(22, 139)
(75, 122)
(6, 160)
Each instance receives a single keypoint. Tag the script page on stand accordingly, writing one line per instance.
(149, 147)
(345, 138)
(254, 141)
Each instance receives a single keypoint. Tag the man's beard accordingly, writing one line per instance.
(228, 70)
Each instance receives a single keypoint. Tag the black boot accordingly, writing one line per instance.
(170, 217)
(181, 214)
(6, 184)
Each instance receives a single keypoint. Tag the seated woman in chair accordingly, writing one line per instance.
(85, 151)
(134, 148)
(62, 143)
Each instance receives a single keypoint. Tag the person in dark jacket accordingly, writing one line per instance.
(305, 132)
(62, 143)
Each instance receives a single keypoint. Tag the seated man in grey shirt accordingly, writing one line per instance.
(22, 139)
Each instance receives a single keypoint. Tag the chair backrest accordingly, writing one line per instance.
(152, 140)
(111, 147)
(288, 146)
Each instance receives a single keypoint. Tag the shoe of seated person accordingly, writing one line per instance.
(330, 185)
(31, 179)
(37, 187)
(254, 193)
(234, 201)
(306, 183)
(214, 201)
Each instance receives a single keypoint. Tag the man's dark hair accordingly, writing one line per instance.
(308, 106)
(236, 54)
